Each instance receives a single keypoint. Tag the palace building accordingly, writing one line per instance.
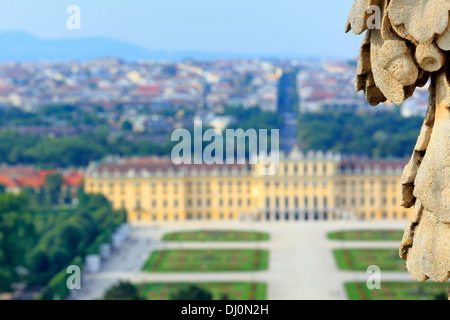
(308, 186)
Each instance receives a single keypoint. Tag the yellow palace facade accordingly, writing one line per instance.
(308, 186)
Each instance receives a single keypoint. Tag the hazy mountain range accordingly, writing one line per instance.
(23, 47)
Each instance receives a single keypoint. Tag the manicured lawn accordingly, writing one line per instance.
(396, 291)
(216, 235)
(361, 259)
(207, 260)
(232, 291)
(367, 235)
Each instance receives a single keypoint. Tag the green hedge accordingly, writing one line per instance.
(57, 287)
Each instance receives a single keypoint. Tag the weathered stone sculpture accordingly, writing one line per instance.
(409, 47)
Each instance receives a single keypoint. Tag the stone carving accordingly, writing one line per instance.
(408, 49)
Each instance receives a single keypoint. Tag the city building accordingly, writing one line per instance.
(311, 186)
(15, 178)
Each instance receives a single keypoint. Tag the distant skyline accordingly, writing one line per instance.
(289, 27)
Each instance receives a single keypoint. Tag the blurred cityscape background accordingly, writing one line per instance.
(86, 178)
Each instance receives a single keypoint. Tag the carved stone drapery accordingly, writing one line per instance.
(409, 49)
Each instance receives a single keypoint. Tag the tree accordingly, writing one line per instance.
(441, 296)
(45, 240)
(124, 290)
(83, 197)
(127, 125)
(40, 262)
(53, 184)
(379, 135)
(6, 278)
(59, 259)
(225, 297)
(71, 238)
(192, 292)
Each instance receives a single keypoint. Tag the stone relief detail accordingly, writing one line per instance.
(410, 49)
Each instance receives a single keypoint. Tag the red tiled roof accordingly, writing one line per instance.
(8, 182)
(73, 179)
(148, 89)
(323, 95)
(29, 177)
(32, 181)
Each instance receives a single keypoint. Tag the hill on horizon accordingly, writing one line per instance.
(18, 46)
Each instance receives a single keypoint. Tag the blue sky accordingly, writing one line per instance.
(303, 27)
